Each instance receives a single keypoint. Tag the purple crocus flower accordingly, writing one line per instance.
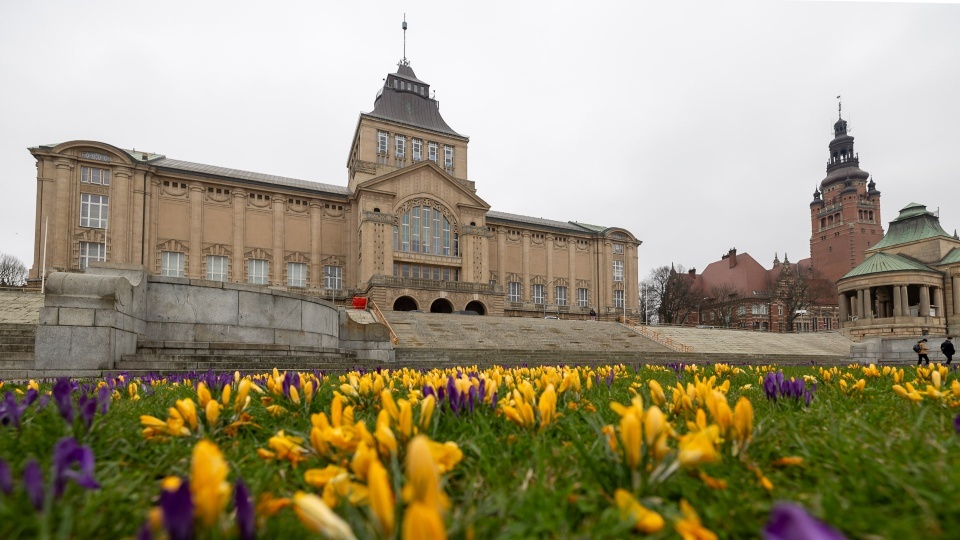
(145, 533)
(956, 423)
(472, 396)
(177, 509)
(30, 397)
(10, 410)
(62, 390)
(610, 379)
(770, 386)
(453, 396)
(33, 484)
(67, 453)
(6, 479)
(245, 514)
(103, 400)
(88, 408)
(789, 521)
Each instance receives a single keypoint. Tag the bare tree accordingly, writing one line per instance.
(797, 289)
(669, 293)
(13, 273)
(724, 299)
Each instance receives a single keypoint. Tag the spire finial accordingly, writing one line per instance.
(404, 61)
(839, 103)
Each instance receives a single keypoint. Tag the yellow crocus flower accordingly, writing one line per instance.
(318, 517)
(423, 477)
(656, 393)
(362, 459)
(644, 520)
(690, 528)
(420, 522)
(405, 420)
(547, 406)
(243, 393)
(699, 447)
(208, 482)
(445, 455)
(188, 411)
(212, 412)
(319, 477)
(427, 406)
(631, 439)
(381, 497)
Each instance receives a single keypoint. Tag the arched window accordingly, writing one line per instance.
(424, 229)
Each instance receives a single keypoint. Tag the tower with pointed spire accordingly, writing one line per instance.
(845, 211)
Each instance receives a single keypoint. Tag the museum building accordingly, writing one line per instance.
(408, 231)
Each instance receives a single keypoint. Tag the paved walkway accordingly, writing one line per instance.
(20, 307)
(716, 340)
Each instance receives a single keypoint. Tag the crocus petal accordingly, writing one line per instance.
(246, 519)
(61, 393)
(318, 517)
(178, 511)
(6, 478)
(33, 484)
(789, 521)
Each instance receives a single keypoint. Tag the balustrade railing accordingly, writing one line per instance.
(382, 320)
(662, 339)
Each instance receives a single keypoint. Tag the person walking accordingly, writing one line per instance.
(922, 349)
(947, 349)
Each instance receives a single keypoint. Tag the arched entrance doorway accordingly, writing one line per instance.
(477, 306)
(405, 303)
(441, 305)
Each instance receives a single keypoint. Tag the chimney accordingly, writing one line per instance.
(692, 272)
(732, 255)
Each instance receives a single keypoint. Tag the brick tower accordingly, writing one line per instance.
(845, 211)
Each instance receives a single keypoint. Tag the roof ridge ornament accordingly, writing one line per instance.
(404, 61)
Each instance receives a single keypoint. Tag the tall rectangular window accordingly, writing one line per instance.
(514, 294)
(537, 291)
(400, 142)
(382, 141)
(437, 247)
(91, 252)
(94, 210)
(427, 212)
(618, 270)
(446, 237)
(171, 263)
(583, 297)
(258, 271)
(618, 298)
(618, 249)
(561, 295)
(417, 149)
(93, 175)
(332, 277)
(432, 151)
(447, 157)
(296, 275)
(216, 268)
(405, 230)
(415, 228)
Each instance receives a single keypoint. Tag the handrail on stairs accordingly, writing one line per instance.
(382, 320)
(662, 339)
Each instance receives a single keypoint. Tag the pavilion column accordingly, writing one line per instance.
(572, 292)
(859, 308)
(842, 302)
(316, 233)
(867, 303)
(239, 227)
(924, 301)
(502, 258)
(195, 249)
(549, 295)
(279, 205)
(897, 302)
(938, 301)
(956, 295)
(526, 293)
(905, 300)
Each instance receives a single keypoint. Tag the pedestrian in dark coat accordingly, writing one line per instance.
(947, 349)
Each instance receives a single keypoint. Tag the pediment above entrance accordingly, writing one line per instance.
(424, 179)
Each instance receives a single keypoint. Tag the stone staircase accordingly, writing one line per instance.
(16, 346)
(224, 356)
(715, 340)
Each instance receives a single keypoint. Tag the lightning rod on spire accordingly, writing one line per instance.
(404, 61)
(839, 103)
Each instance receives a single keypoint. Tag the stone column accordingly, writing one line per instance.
(956, 294)
(279, 205)
(853, 305)
(842, 302)
(525, 292)
(924, 301)
(194, 263)
(860, 311)
(316, 233)
(897, 302)
(867, 303)
(550, 296)
(502, 258)
(239, 228)
(938, 301)
(905, 300)
(572, 270)
(150, 221)
(118, 218)
(60, 243)
(138, 215)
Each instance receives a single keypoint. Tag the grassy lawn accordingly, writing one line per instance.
(545, 452)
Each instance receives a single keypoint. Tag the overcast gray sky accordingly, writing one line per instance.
(698, 126)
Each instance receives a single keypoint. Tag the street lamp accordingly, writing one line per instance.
(700, 313)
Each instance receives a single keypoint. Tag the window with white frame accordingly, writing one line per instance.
(618, 298)
(258, 271)
(332, 277)
(447, 157)
(94, 175)
(561, 293)
(296, 275)
(583, 297)
(432, 151)
(741, 310)
(618, 270)
(172, 263)
(400, 144)
(759, 309)
(383, 139)
(514, 292)
(537, 291)
(216, 268)
(417, 149)
(92, 252)
(94, 210)
(618, 249)
(424, 229)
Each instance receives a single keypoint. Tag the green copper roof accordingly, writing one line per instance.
(914, 223)
(952, 258)
(879, 263)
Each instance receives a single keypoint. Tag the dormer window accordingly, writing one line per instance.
(382, 141)
(417, 145)
(432, 151)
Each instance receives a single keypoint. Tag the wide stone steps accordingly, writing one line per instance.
(223, 356)
(17, 346)
(709, 340)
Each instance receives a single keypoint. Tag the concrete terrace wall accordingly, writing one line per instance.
(183, 309)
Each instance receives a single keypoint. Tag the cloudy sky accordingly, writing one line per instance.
(698, 126)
